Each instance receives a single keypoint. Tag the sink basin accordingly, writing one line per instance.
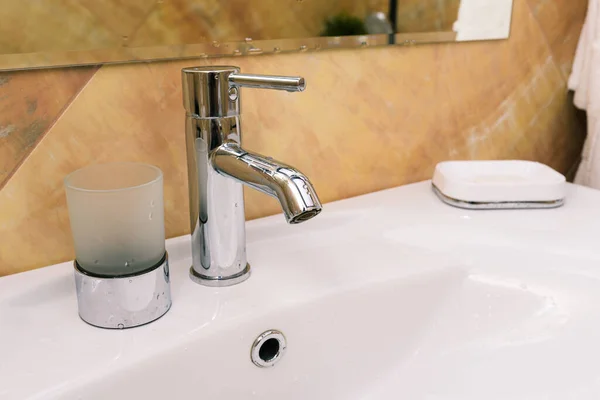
(384, 296)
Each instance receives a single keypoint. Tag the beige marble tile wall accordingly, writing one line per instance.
(369, 120)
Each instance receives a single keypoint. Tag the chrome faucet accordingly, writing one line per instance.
(218, 166)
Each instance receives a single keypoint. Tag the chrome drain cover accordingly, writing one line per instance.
(268, 348)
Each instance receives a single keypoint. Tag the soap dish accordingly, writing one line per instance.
(498, 184)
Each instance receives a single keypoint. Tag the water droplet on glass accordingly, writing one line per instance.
(151, 203)
(303, 48)
(130, 281)
(364, 44)
(216, 44)
(276, 49)
(248, 39)
(235, 205)
(157, 296)
(96, 261)
(318, 47)
(127, 265)
(236, 52)
(120, 326)
(150, 216)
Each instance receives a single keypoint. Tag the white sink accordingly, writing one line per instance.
(391, 295)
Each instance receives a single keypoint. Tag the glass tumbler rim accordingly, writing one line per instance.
(68, 180)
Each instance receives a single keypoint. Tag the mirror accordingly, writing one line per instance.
(46, 33)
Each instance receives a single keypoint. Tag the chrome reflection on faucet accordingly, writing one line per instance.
(218, 166)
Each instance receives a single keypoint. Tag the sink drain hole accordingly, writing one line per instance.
(268, 348)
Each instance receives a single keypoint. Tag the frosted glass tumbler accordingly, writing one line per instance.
(117, 217)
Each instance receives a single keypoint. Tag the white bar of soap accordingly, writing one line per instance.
(499, 181)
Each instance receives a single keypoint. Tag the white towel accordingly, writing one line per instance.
(585, 81)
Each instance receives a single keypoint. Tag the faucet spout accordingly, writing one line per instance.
(291, 187)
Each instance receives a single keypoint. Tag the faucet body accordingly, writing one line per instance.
(218, 167)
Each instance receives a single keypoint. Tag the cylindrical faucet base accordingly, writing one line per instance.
(220, 281)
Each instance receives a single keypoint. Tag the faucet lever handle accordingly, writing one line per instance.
(289, 83)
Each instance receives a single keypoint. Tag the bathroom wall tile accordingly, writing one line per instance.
(369, 120)
(29, 102)
(561, 21)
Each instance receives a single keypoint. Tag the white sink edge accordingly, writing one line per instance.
(43, 325)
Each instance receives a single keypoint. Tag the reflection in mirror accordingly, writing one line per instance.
(64, 32)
